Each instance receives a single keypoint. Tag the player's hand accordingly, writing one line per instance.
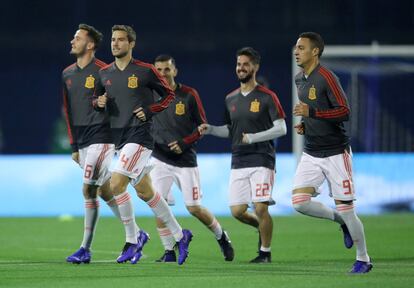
(300, 128)
(139, 112)
(203, 129)
(175, 147)
(246, 139)
(101, 102)
(75, 157)
(301, 109)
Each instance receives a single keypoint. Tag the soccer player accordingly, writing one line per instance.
(327, 154)
(254, 117)
(175, 132)
(88, 130)
(130, 85)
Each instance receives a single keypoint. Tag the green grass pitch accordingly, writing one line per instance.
(306, 252)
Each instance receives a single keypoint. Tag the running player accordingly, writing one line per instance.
(254, 117)
(129, 100)
(175, 132)
(88, 130)
(327, 154)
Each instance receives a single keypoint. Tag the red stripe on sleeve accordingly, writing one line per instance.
(333, 113)
(333, 85)
(163, 104)
(275, 99)
(200, 107)
(191, 138)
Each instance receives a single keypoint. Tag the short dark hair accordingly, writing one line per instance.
(132, 36)
(315, 39)
(251, 53)
(164, 58)
(93, 33)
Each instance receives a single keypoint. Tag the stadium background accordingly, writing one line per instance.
(203, 37)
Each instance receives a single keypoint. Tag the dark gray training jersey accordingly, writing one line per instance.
(252, 113)
(179, 122)
(86, 126)
(325, 133)
(128, 90)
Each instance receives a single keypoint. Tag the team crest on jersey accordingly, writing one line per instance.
(179, 108)
(255, 106)
(133, 81)
(312, 93)
(90, 82)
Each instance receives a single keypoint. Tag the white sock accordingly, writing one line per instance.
(303, 204)
(215, 227)
(90, 220)
(167, 238)
(265, 249)
(126, 210)
(114, 207)
(356, 229)
(161, 210)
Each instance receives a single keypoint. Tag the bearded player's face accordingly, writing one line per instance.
(79, 43)
(120, 44)
(167, 70)
(245, 69)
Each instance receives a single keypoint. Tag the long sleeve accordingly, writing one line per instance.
(198, 116)
(279, 129)
(68, 119)
(338, 101)
(166, 94)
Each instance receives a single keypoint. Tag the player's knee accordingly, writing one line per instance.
(261, 209)
(237, 212)
(118, 186)
(89, 191)
(144, 189)
(105, 193)
(300, 202)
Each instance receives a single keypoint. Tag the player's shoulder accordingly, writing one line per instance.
(233, 93)
(299, 76)
(189, 90)
(69, 69)
(107, 67)
(265, 91)
(99, 63)
(325, 73)
(143, 64)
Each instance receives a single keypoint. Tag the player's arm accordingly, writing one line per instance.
(99, 97)
(166, 96)
(198, 117)
(68, 119)
(277, 115)
(300, 127)
(337, 99)
(222, 131)
(279, 129)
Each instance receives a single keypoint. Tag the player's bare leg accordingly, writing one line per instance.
(265, 232)
(208, 219)
(265, 223)
(240, 213)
